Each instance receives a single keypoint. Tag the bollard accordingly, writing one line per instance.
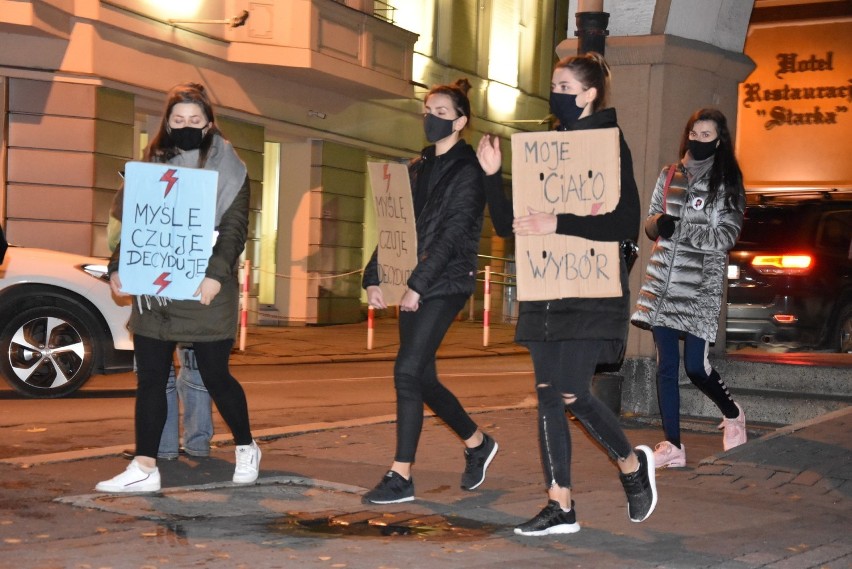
(370, 316)
(244, 305)
(486, 313)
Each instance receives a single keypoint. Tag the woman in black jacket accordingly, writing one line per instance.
(569, 337)
(446, 183)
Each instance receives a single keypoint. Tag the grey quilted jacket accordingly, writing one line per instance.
(683, 282)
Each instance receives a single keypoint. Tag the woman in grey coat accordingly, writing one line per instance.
(695, 217)
(188, 137)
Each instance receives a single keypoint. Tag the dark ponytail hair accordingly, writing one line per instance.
(162, 148)
(457, 92)
(591, 70)
(726, 170)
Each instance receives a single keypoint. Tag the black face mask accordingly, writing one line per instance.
(564, 106)
(187, 138)
(702, 150)
(437, 128)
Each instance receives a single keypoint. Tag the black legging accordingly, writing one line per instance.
(416, 378)
(563, 369)
(153, 362)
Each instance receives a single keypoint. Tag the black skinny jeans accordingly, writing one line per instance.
(415, 376)
(566, 369)
(153, 363)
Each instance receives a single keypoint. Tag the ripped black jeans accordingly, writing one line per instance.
(415, 376)
(563, 376)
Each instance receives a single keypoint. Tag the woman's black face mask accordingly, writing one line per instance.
(187, 138)
(703, 150)
(437, 128)
(564, 107)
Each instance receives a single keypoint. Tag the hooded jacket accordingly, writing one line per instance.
(449, 200)
(683, 282)
(579, 318)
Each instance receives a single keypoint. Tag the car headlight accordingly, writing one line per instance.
(96, 270)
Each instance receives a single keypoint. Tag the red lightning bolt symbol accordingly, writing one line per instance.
(169, 177)
(387, 177)
(162, 280)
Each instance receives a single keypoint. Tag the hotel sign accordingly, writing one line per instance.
(820, 99)
(795, 109)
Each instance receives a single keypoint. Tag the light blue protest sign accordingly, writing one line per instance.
(167, 229)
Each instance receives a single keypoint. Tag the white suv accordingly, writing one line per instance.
(59, 322)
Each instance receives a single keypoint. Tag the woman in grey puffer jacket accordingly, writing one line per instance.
(695, 217)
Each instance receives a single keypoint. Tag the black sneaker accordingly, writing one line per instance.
(552, 519)
(640, 486)
(476, 463)
(391, 489)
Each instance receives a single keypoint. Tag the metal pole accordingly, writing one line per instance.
(591, 26)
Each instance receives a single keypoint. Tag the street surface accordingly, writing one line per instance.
(101, 413)
(326, 433)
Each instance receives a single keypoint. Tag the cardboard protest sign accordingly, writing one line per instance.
(566, 172)
(397, 233)
(167, 229)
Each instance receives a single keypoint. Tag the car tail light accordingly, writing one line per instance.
(782, 264)
(785, 318)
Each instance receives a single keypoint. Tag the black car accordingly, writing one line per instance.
(790, 273)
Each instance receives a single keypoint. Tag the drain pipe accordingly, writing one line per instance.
(591, 23)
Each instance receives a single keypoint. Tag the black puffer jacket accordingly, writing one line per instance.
(449, 200)
(579, 318)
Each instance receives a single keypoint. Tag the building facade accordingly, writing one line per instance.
(309, 91)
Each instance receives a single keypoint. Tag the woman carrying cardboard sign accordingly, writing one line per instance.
(188, 137)
(446, 185)
(569, 337)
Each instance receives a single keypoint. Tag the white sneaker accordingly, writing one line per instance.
(735, 430)
(133, 479)
(667, 455)
(248, 463)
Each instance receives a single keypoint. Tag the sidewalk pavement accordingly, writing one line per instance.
(779, 501)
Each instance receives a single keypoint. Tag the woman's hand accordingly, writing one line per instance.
(375, 297)
(536, 223)
(489, 155)
(410, 301)
(207, 290)
(115, 285)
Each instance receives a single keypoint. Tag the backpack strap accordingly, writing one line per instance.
(669, 177)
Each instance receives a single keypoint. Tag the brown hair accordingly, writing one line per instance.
(591, 70)
(457, 92)
(162, 148)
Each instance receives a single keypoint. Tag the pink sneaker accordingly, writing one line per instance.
(666, 455)
(735, 430)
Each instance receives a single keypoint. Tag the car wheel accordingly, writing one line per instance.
(843, 332)
(46, 350)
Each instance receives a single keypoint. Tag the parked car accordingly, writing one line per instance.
(59, 323)
(790, 273)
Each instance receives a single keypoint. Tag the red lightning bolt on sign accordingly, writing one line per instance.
(162, 280)
(386, 175)
(170, 178)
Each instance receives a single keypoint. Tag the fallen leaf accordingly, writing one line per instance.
(36, 430)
